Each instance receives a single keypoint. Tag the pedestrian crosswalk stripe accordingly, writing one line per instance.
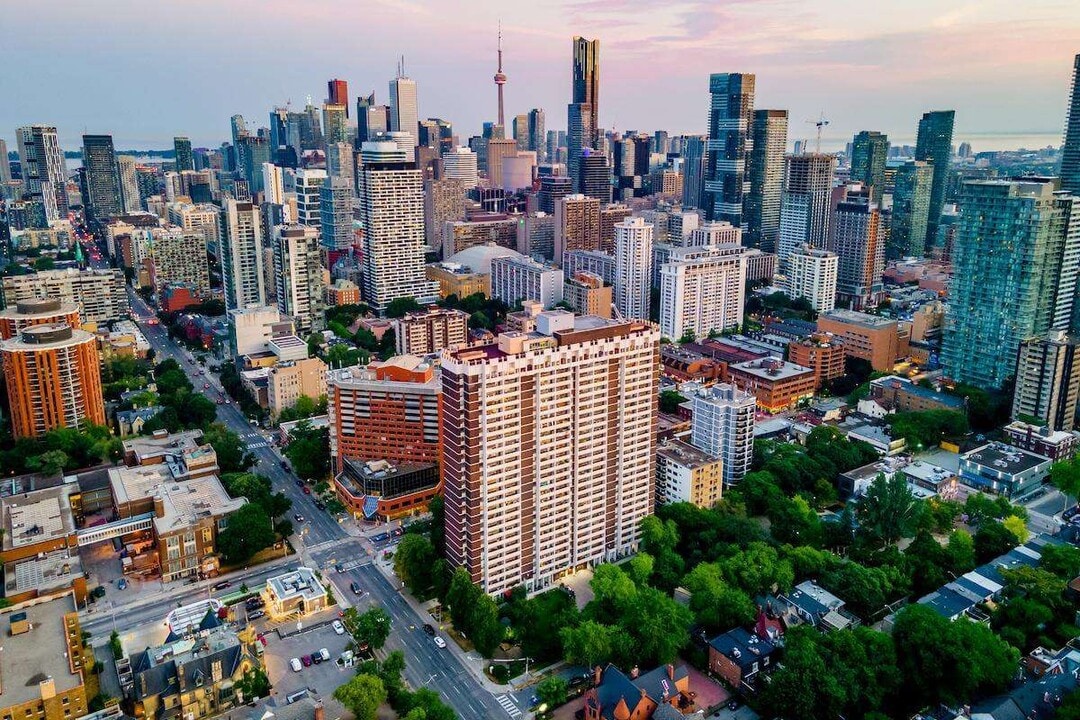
(508, 705)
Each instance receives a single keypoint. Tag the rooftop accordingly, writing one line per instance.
(1004, 458)
(184, 502)
(53, 571)
(851, 317)
(300, 583)
(37, 516)
(685, 454)
(478, 257)
(158, 447)
(40, 653)
(772, 369)
(741, 645)
(898, 383)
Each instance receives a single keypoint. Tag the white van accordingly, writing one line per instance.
(295, 665)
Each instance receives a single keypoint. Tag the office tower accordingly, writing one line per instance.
(701, 290)
(515, 278)
(497, 149)
(521, 131)
(182, 152)
(335, 123)
(5, 164)
(280, 151)
(404, 112)
(856, 238)
(337, 93)
(99, 294)
(633, 268)
(536, 135)
(610, 216)
(583, 112)
(309, 183)
(552, 189)
(631, 167)
(102, 193)
(531, 421)
(392, 214)
(299, 277)
(766, 176)
(694, 172)
(307, 124)
(460, 164)
(595, 180)
(723, 426)
(241, 247)
(371, 119)
(1048, 380)
(273, 184)
(869, 151)
(127, 176)
(429, 133)
(428, 331)
(934, 145)
(44, 173)
(256, 154)
(811, 273)
(1014, 275)
(335, 214)
(729, 144)
(577, 224)
(804, 209)
(1070, 150)
(911, 210)
(518, 171)
(53, 379)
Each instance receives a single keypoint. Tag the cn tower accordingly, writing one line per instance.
(500, 80)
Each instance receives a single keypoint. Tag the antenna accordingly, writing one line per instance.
(819, 123)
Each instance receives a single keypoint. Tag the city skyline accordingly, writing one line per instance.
(806, 60)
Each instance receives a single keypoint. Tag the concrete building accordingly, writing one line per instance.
(298, 272)
(686, 474)
(879, 340)
(383, 491)
(805, 204)
(702, 290)
(100, 294)
(900, 394)
(1047, 381)
(713, 233)
(29, 313)
(587, 294)
(536, 236)
(44, 172)
(610, 216)
(287, 381)
(251, 329)
(723, 426)
(633, 268)
(777, 385)
(429, 331)
(519, 278)
(241, 261)
(179, 257)
(342, 292)
(535, 419)
(204, 218)
(1004, 470)
(444, 201)
(460, 164)
(811, 274)
(1055, 444)
(497, 228)
(295, 594)
(596, 262)
(577, 224)
(856, 237)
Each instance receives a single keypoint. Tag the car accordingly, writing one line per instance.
(319, 504)
(429, 630)
(284, 465)
(734, 704)
(122, 584)
(222, 585)
(306, 659)
(220, 401)
(206, 386)
(98, 592)
(324, 654)
(202, 372)
(298, 518)
(256, 614)
(355, 587)
(295, 665)
(299, 482)
(254, 603)
(316, 658)
(340, 568)
(307, 490)
(338, 627)
(439, 642)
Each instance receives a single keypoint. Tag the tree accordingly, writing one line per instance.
(483, 625)
(715, 604)
(1065, 476)
(413, 563)
(993, 539)
(590, 644)
(659, 624)
(399, 306)
(640, 568)
(309, 451)
(927, 428)
(362, 696)
(552, 691)
(257, 489)
(249, 531)
(961, 552)
(757, 570)
(50, 462)
(538, 620)
(232, 454)
(254, 684)
(1061, 560)
(670, 400)
(372, 628)
(1017, 527)
(888, 510)
(613, 592)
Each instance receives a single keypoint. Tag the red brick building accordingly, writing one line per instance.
(823, 353)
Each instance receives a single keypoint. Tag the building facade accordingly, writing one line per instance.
(805, 207)
(723, 426)
(702, 290)
(766, 172)
(812, 274)
(429, 331)
(299, 275)
(729, 144)
(633, 268)
(934, 145)
(241, 255)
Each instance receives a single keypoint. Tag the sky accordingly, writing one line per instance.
(146, 71)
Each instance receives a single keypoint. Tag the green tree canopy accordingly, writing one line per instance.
(362, 695)
(249, 531)
(888, 511)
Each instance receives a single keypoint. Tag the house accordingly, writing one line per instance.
(1036, 699)
(131, 422)
(618, 696)
(295, 593)
(819, 607)
(739, 656)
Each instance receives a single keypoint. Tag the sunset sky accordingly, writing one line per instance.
(145, 71)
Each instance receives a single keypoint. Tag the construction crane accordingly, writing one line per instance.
(819, 123)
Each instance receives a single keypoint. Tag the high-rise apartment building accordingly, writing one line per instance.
(811, 274)
(204, 219)
(730, 117)
(182, 151)
(910, 211)
(241, 249)
(309, 182)
(299, 276)
(583, 112)
(693, 157)
(1015, 262)
(587, 294)
(537, 134)
(701, 290)
(515, 278)
(460, 164)
(179, 256)
(1048, 380)
(610, 216)
(549, 445)
(855, 236)
(766, 176)
(633, 268)
(869, 150)
(101, 194)
(44, 173)
(5, 164)
(53, 379)
(723, 426)
(934, 145)
(1070, 150)
(273, 184)
(335, 213)
(335, 123)
(99, 294)
(713, 233)
(391, 195)
(804, 210)
(128, 177)
(429, 331)
(404, 111)
(577, 224)
(595, 175)
(28, 313)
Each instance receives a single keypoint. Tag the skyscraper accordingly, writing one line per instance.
(869, 151)
(335, 124)
(1015, 261)
(102, 191)
(337, 93)
(521, 131)
(730, 110)
(693, 155)
(497, 149)
(44, 172)
(529, 422)
(723, 426)
(811, 274)
(766, 173)
(583, 112)
(934, 144)
(804, 209)
(855, 236)
(308, 201)
(371, 119)
(130, 198)
(633, 267)
(1070, 151)
(500, 80)
(911, 210)
(241, 261)
(460, 164)
(335, 213)
(595, 180)
(537, 135)
(404, 111)
(577, 224)
(5, 165)
(341, 161)
(392, 213)
(299, 277)
(182, 149)
(701, 290)
(1048, 380)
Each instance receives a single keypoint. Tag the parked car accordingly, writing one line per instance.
(206, 386)
(355, 587)
(338, 627)
(429, 630)
(307, 490)
(316, 658)
(295, 665)
(324, 654)
(439, 642)
(299, 482)
(222, 585)
(306, 659)
(298, 518)
(284, 465)
(256, 614)
(320, 505)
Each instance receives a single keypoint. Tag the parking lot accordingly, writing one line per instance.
(319, 679)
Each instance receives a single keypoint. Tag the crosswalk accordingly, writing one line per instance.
(257, 445)
(508, 705)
